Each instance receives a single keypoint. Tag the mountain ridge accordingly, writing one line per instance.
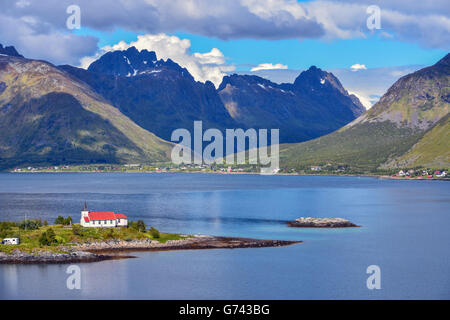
(314, 105)
(49, 117)
(392, 132)
(161, 96)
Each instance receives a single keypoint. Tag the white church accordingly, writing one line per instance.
(106, 219)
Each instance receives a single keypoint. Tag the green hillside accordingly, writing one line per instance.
(363, 147)
(433, 150)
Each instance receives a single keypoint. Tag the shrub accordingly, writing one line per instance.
(76, 229)
(30, 224)
(155, 233)
(138, 225)
(59, 240)
(110, 234)
(48, 238)
(5, 227)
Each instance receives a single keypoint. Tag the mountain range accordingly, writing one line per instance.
(49, 117)
(314, 105)
(124, 107)
(161, 96)
(408, 127)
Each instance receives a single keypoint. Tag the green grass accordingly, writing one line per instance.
(363, 147)
(29, 239)
(433, 150)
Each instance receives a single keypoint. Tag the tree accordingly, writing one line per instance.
(141, 225)
(30, 224)
(64, 221)
(138, 225)
(59, 220)
(68, 221)
(154, 232)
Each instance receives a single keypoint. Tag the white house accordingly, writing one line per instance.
(441, 174)
(106, 219)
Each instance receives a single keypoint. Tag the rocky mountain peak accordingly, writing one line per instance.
(317, 78)
(9, 51)
(132, 62)
(244, 81)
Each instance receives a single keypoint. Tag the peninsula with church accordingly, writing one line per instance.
(101, 235)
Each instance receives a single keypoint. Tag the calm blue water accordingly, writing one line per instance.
(405, 232)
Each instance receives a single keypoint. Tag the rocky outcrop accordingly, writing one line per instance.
(107, 250)
(321, 223)
(194, 242)
(43, 256)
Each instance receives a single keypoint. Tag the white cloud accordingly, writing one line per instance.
(358, 66)
(371, 84)
(203, 66)
(365, 100)
(34, 25)
(268, 66)
(32, 38)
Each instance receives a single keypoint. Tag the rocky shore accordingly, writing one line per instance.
(321, 223)
(195, 242)
(71, 256)
(108, 250)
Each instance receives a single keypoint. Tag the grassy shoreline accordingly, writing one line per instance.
(74, 244)
(66, 237)
(324, 174)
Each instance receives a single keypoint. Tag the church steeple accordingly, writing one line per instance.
(85, 207)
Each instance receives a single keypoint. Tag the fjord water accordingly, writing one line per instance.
(405, 231)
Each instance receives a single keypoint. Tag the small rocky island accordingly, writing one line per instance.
(112, 249)
(102, 236)
(321, 223)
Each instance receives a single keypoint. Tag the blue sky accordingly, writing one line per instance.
(374, 51)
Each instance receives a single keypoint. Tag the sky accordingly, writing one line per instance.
(276, 39)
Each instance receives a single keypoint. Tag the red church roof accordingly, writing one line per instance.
(108, 215)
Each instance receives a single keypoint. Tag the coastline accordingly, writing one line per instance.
(114, 249)
(385, 177)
